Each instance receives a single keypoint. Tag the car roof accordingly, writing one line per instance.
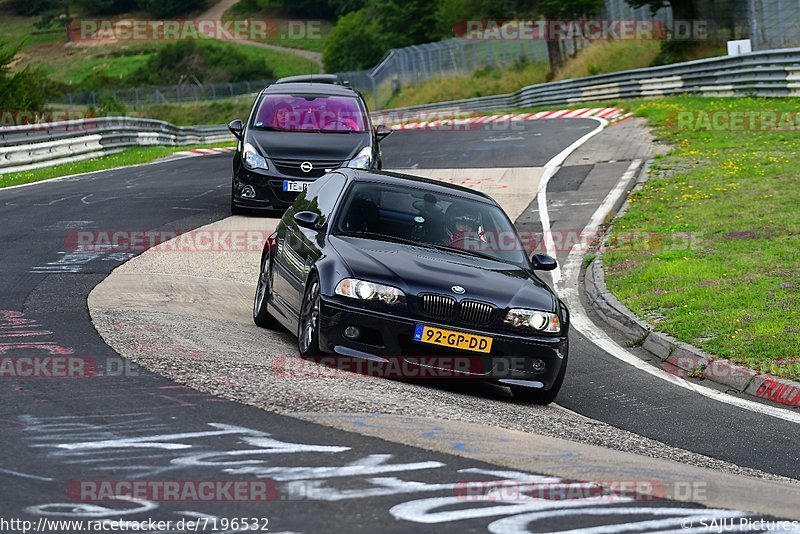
(310, 88)
(396, 178)
(312, 78)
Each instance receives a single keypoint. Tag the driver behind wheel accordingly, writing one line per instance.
(463, 225)
(337, 118)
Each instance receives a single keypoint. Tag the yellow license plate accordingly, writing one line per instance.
(452, 339)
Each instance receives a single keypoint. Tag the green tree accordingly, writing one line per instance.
(30, 8)
(162, 9)
(405, 22)
(684, 10)
(356, 42)
(25, 90)
(105, 7)
(564, 9)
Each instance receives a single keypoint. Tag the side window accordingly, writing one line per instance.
(329, 193)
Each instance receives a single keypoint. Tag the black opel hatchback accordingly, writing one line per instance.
(297, 132)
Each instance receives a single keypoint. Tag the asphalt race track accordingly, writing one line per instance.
(126, 423)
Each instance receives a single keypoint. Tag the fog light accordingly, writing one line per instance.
(248, 192)
(351, 332)
(537, 365)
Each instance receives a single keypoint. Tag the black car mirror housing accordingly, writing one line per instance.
(543, 262)
(306, 219)
(382, 132)
(236, 127)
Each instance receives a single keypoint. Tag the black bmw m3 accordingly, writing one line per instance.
(384, 268)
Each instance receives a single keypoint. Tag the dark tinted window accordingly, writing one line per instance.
(310, 113)
(377, 210)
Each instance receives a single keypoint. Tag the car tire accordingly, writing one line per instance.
(541, 396)
(308, 325)
(261, 315)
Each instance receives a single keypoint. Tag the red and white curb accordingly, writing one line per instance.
(205, 151)
(610, 114)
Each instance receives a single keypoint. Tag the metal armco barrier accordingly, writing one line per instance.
(34, 146)
(773, 73)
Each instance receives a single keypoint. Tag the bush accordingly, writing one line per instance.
(105, 7)
(355, 43)
(29, 8)
(28, 89)
(200, 61)
(162, 9)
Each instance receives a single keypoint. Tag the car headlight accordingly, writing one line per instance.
(363, 160)
(252, 159)
(369, 291)
(533, 320)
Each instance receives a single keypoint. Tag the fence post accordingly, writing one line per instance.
(375, 105)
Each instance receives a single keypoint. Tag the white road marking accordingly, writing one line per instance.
(568, 291)
(25, 475)
(550, 169)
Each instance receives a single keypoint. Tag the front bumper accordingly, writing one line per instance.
(268, 187)
(387, 340)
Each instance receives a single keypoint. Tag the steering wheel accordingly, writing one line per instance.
(464, 239)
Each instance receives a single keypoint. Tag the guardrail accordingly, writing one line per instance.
(773, 73)
(43, 145)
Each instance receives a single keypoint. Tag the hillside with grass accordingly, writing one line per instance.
(600, 57)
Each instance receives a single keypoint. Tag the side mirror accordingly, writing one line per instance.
(306, 219)
(543, 262)
(382, 132)
(236, 128)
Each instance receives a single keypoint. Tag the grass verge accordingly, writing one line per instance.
(709, 250)
(128, 156)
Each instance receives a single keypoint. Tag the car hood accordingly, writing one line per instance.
(418, 269)
(308, 146)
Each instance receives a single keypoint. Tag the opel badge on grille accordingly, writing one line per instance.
(306, 166)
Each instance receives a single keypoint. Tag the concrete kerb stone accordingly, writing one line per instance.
(684, 356)
(774, 389)
(660, 344)
(724, 372)
(611, 309)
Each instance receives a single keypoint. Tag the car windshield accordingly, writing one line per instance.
(437, 220)
(315, 113)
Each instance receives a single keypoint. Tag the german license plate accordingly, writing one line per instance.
(452, 339)
(292, 186)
